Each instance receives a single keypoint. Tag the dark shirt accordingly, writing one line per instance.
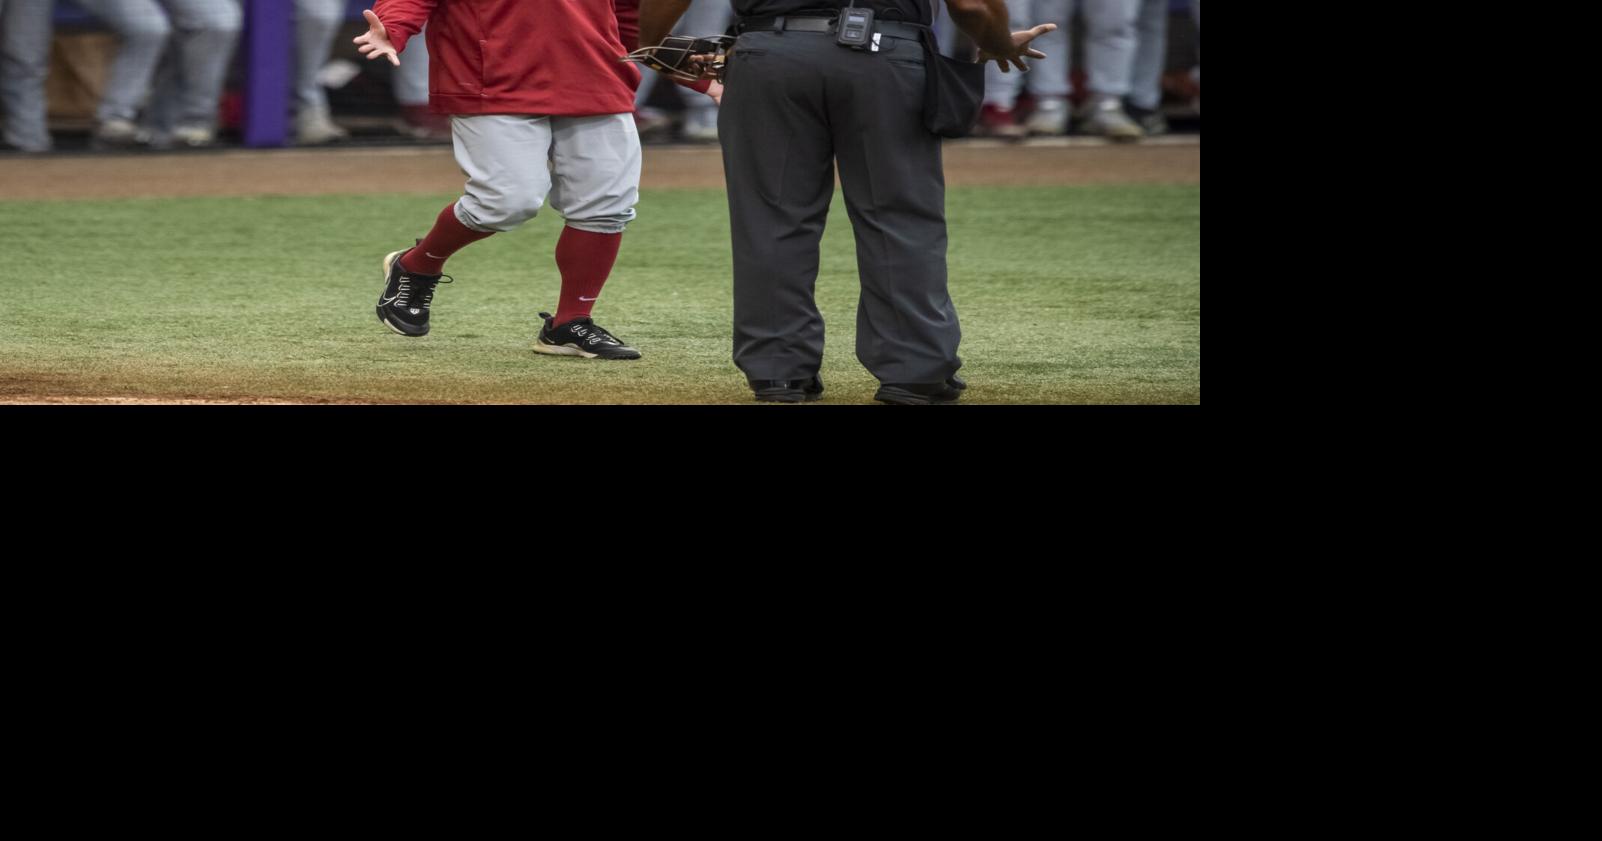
(911, 11)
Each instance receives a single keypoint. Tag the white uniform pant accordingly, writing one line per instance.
(24, 62)
(589, 167)
(1110, 44)
(207, 32)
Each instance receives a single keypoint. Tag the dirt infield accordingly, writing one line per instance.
(1175, 160)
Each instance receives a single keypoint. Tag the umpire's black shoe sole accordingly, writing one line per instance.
(921, 394)
(787, 391)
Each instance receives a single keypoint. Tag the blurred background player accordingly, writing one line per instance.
(1144, 102)
(1047, 79)
(317, 23)
(1195, 72)
(704, 17)
(410, 84)
(25, 28)
(1109, 59)
(183, 100)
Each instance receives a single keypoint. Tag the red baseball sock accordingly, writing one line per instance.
(585, 259)
(448, 237)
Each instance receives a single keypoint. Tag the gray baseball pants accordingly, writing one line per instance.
(207, 31)
(589, 167)
(317, 22)
(25, 27)
(410, 82)
(1109, 50)
(1151, 54)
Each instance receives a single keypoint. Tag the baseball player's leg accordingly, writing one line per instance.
(1109, 44)
(410, 85)
(1047, 78)
(505, 159)
(704, 17)
(1195, 15)
(890, 172)
(595, 170)
(144, 29)
(207, 35)
(1151, 54)
(317, 23)
(24, 62)
(1109, 58)
(1002, 89)
(410, 82)
(778, 163)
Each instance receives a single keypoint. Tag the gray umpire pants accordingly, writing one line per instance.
(795, 104)
(207, 33)
(24, 63)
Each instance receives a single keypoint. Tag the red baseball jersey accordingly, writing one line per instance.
(628, 22)
(553, 57)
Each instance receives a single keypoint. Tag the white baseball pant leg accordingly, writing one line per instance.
(589, 167)
(25, 27)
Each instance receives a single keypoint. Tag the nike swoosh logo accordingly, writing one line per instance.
(582, 298)
(387, 302)
(435, 256)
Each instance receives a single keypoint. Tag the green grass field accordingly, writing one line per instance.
(1066, 295)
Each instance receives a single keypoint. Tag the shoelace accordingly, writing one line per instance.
(592, 332)
(580, 328)
(425, 290)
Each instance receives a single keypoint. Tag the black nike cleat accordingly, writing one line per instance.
(921, 394)
(407, 297)
(787, 391)
(580, 337)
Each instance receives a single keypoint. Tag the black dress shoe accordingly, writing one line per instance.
(921, 394)
(787, 391)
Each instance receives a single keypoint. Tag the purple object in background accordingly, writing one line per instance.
(269, 42)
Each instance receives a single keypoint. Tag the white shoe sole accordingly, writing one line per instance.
(569, 350)
(561, 350)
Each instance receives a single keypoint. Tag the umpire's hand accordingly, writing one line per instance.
(1020, 49)
(376, 42)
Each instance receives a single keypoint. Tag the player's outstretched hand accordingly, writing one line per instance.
(715, 90)
(376, 42)
(1020, 49)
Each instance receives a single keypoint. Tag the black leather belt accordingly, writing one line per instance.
(800, 23)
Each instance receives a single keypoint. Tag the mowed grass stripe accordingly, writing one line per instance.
(1066, 294)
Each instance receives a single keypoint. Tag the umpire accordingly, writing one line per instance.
(796, 102)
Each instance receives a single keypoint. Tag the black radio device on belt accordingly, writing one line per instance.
(855, 27)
